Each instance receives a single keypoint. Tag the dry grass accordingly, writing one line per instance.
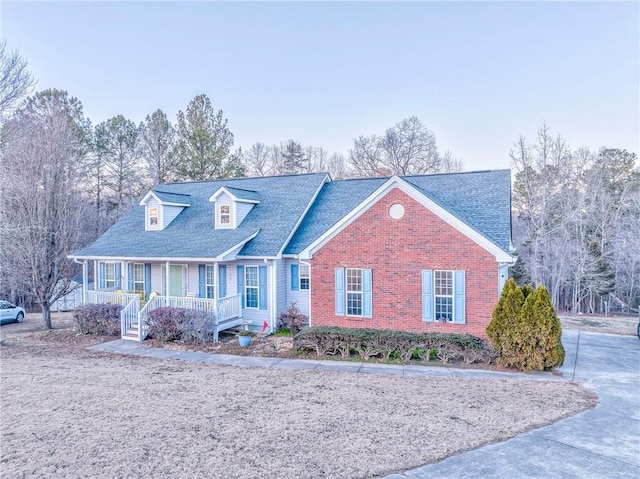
(70, 412)
(625, 325)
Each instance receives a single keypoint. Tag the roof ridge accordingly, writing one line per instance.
(170, 192)
(244, 178)
(457, 173)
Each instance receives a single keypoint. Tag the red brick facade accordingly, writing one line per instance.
(397, 251)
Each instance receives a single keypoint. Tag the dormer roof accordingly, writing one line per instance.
(237, 194)
(167, 198)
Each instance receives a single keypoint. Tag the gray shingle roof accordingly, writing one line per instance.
(191, 234)
(243, 194)
(166, 197)
(481, 199)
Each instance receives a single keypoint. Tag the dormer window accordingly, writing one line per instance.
(225, 214)
(161, 208)
(153, 216)
(231, 205)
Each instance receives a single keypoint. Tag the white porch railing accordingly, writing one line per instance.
(110, 297)
(226, 312)
(130, 316)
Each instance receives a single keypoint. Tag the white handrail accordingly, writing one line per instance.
(129, 315)
(220, 310)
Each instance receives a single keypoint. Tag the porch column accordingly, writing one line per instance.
(216, 286)
(85, 281)
(166, 278)
(95, 275)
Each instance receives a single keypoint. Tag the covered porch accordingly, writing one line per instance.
(224, 312)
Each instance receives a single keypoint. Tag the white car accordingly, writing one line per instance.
(10, 313)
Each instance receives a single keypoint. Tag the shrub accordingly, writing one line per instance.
(387, 344)
(179, 324)
(525, 329)
(197, 327)
(505, 314)
(293, 319)
(164, 323)
(99, 319)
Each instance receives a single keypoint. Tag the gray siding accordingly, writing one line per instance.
(281, 287)
(169, 213)
(256, 316)
(242, 210)
(300, 297)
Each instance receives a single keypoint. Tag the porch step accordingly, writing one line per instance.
(130, 336)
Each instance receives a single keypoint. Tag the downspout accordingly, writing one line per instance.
(309, 265)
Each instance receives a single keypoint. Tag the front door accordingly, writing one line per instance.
(176, 279)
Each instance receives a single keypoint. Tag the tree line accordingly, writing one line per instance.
(576, 223)
(65, 181)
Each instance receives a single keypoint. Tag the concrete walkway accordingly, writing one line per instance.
(600, 443)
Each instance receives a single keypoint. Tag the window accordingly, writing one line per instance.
(304, 277)
(209, 281)
(138, 277)
(225, 214)
(153, 216)
(251, 286)
(443, 288)
(354, 292)
(109, 275)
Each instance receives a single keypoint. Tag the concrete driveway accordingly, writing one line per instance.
(600, 443)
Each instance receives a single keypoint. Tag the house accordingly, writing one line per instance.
(415, 253)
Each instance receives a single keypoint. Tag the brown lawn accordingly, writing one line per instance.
(70, 412)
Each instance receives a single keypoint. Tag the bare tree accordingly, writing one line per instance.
(259, 160)
(337, 166)
(44, 147)
(366, 156)
(575, 216)
(15, 80)
(156, 142)
(407, 148)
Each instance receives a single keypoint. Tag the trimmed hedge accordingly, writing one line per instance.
(387, 344)
(180, 324)
(99, 319)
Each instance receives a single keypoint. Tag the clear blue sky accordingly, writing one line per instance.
(477, 74)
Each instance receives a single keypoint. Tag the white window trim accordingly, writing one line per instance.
(147, 216)
(232, 215)
(143, 282)
(307, 277)
(207, 268)
(346, 292)
(452, 295)
(257, 287)
(112, 263)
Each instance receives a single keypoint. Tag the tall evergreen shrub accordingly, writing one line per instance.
(505, 314)
(525, 330)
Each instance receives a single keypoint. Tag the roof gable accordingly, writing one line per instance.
(481, 200)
